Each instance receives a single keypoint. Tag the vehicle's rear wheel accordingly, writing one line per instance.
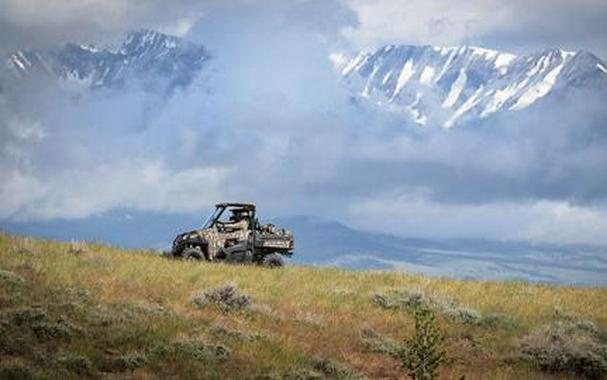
(272, 261)
(193, 253)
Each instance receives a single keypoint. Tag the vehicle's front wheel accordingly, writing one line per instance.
(272, 261)
(193, 253)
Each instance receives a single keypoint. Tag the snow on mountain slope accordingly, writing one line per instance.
(430, 85)
(447, 86)
(145, 54)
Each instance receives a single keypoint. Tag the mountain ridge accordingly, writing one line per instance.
(143, 54)
(447, 85)
(430, 85)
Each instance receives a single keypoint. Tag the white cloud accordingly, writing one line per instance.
(516, 24)
(25, 130)
(182, 26)
(41, 24)
(438, 22)
(413, 213)
(135, 184)
(18, 190)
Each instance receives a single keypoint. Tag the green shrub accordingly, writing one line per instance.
(14, 345)
(334, 370)
(464, 315)
(494, 320)
(384, 346)
(40, 323)
(303, 374)
(221, 331)
(16, 372)
(75, 363)
(193, 350)
(226, 298)
(55, 330)
(73, 293)
(28, 315)
(405, 299)
(11, 278)
(203, 351)
(400, 299)
(125, 362)
(423, 354)
(566, 347)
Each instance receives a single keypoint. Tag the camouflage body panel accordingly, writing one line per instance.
(276, 243)
(239, 231)
(217, 240)
(269, 237)
(213, 240)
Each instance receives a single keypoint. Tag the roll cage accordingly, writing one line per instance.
(221, 208)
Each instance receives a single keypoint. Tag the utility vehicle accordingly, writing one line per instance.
(233, 233)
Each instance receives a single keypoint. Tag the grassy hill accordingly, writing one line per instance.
(88, 310)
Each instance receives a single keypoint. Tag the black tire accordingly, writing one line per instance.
(273, 260)
(193, 253)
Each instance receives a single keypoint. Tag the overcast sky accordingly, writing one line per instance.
(274, 125)
(516, 25)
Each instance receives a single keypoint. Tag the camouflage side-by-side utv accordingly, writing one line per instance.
(233, 234)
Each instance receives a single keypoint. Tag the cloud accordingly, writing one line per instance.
(136, 184)
(515, 157)
(226, 136)
(268, 121)
(73, 160)
(513, 25)
(411, 213)
(439, 22)
(40, 24)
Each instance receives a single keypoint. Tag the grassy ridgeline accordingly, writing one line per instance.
(89, 310)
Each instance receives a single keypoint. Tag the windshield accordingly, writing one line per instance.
(209, 222)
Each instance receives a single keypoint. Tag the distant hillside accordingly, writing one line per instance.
(80, 310)
(324, 242)
(121, 228)
(329, 243)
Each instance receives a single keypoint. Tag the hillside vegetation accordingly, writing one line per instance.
(88, 310)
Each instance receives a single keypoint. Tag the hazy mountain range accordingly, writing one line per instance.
(430, 85)
(455, 87)
(144, 55)
(325, 242)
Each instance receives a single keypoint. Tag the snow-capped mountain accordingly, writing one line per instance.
(145, 54)
(447, 86)
(429, 85)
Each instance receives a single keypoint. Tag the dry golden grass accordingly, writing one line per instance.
(129, 302)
